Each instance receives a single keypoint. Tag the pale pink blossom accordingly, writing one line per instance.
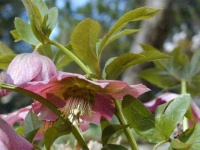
(30, 68)
(10, 140)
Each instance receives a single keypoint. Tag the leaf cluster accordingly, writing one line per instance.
(169, 73)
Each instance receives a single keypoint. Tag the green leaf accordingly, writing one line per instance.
(195, 63)
(45, 50)
(119, 64)
(152, 53)
(113, 147)
(4, 49)
(54, 132)
(142, 120)
(31, 125)
(134, 15)
(83, 41)
(120, 34)
(50, 22)
(25, 32)
(115, 66)
(159, 77)
(109, 131)
(193, 85)
(42, 7)
(16, 35)
(171, 116)
(137, 115)
(5, 60)
(191, 137)
(20, 130)
(178, 145)
(36, 18)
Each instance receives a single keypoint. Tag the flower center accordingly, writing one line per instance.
(78, 103)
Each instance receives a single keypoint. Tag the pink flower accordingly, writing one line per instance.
(30, 68)
(17, 116)
(166, 97)
(9, 139)
(80, 99)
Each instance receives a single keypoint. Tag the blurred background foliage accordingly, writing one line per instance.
(181, 22)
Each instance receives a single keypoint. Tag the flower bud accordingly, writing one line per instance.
(30, 68)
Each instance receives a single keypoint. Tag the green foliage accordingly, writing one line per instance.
(109, 130)
(168, 73)
(83, 41)
(31, 125)
(188, 140)
(6, 56)
(134, 15)
(115, 66)
(54, 132)
(45, 50)
(24, 32)
(42, 22)
(158, 128)
(168, 117)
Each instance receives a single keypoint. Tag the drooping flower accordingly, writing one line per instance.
(30, 68)
(166, 97)
(81, 99)
(9, 139)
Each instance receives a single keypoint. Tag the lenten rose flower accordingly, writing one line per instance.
(80, 99)
(10, 140)
(166, 97)
(30, 68)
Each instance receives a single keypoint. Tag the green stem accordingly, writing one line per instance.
(157, 145)
(127, 131)
(51, 106)
(71, 55)
(183, 86)
(183, 91)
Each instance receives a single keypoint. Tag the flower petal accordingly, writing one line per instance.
(30, 68)
(16, 116)
(103, 107)
(118, 89)
(11, 140)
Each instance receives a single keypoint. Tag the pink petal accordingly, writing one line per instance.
(196, 111)
(16, 116)
(9, 139)
(163, 98)
(103, 107)
(29, 68)
(118, 89)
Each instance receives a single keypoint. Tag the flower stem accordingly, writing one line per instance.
(71, 55)
(123, 121)
(184, 90)
(51, 106)
(157, 145)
